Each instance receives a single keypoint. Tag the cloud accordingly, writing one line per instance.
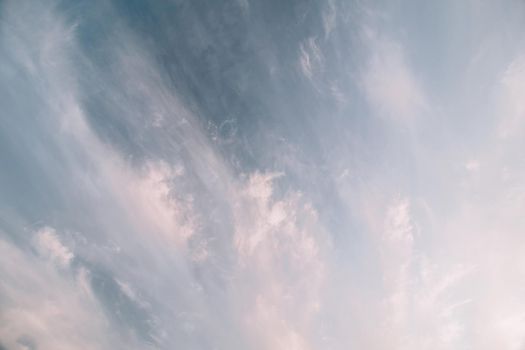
(511, 98)
(421, 297)
(472, 165)
(49, 246)
(162, 240)
(45, 306)
(310, 58)
(280, 245)
(388, 82)
(152, 266)
(329, 16)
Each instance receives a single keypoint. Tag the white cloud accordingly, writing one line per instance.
(398, 226)
(280, 245)
(422, 297)
(46, 307)
(148, 199)
(49, 246)
(146, 210)
(329, 18)
(472, 165)
(389, 84)
(238, 261)
(310, 58)
(512, 98)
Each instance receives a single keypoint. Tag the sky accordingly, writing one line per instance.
(262, 174)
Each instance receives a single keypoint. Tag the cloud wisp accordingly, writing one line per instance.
(253, 175)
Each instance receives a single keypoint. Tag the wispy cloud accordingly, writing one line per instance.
(48, 306)
(310, 59)
(390, 85)
(49, 246)
(127, 222)
(512, 93)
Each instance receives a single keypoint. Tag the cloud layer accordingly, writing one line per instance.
(261, 175)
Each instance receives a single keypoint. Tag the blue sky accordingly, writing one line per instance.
(262, 174)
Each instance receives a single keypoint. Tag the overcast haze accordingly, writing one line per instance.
(262, 174)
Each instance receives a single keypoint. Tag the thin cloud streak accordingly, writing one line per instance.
(237, 189)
